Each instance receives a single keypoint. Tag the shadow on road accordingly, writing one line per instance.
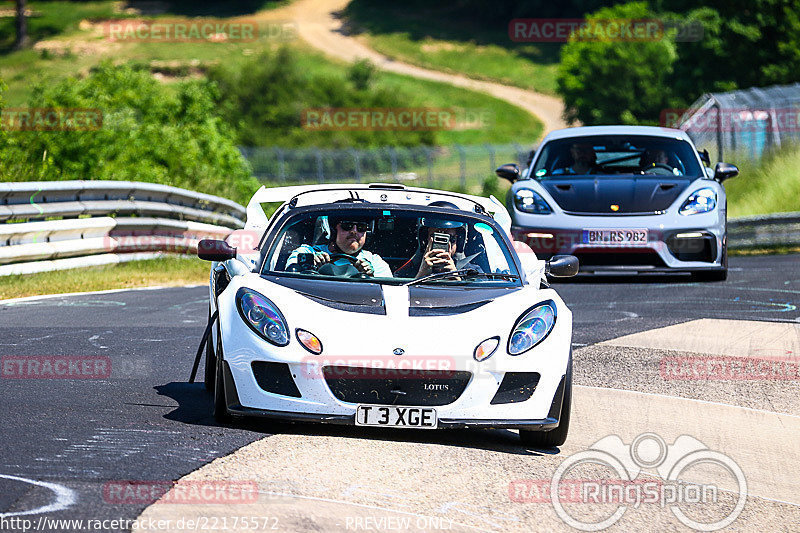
(194, 407)
(622, 279)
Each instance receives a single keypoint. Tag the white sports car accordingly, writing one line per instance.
(382, 305)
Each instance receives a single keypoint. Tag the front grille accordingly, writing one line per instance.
(516, 387)
(391, 386)
(275, 378)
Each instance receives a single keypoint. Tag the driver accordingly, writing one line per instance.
(651, 158)
(584, 160)
(348, 236)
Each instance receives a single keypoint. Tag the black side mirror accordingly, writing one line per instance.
(214, 250)
(562, 266)
(725, 171)
(509, 171)
(705, 158)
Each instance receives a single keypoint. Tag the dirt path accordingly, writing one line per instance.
(318, 25)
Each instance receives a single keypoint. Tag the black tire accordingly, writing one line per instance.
(211, 362)
(558, 436)
(221, 413)
(712, 275)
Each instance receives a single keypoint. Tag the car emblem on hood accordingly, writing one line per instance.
(398, 351)
(614, 207)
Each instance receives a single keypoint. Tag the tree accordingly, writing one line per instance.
(608, 81)
(22, 26)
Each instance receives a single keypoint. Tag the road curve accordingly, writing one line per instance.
(317, 24)
(67, 441)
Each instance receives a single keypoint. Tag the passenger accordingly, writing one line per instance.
(428, 260)
(348, 236)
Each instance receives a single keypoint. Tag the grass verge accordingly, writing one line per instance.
(441, 37)
(771, 185)
(166, 271)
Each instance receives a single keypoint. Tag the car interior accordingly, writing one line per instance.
(392, 238)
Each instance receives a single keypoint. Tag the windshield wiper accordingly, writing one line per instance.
(466, 272)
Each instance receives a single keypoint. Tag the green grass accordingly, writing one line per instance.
(501, 122)
(771, 185)
(54, 19)
(443, 38)
(172, 270)
(504, 122)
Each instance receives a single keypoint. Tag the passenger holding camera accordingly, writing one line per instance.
(440, 249)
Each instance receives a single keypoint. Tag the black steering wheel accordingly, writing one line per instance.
(658, 166)
(349, 271)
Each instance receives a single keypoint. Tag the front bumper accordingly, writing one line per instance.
(689, 244)
(544, 424)
(311, 396)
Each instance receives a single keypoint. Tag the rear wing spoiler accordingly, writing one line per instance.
(256, 218)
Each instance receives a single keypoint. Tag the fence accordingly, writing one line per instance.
(745, 123)
(462, 168)
(53, 225)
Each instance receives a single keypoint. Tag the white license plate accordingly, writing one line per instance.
(394, 416)
(627, 237)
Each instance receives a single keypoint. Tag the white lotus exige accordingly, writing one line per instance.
(382, 305)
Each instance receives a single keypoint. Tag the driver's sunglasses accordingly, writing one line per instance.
(361, 227)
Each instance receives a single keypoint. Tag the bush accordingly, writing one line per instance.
(150, 132)
(263, 100)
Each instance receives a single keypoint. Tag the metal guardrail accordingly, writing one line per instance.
(778, 229)
(51, 225)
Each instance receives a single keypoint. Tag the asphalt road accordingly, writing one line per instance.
(145, 422)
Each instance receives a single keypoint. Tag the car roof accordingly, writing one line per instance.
(585, 131)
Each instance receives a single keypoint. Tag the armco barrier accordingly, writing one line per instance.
(764, 231)
(52, 225)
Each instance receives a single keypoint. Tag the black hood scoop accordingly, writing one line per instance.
(356, 297)
(447, 301)
(630, 195)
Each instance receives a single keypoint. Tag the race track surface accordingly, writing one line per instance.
(66, 440)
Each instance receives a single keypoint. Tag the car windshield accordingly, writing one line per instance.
(613, 155)
(393, 247)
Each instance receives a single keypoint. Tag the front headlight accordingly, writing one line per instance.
(262, 316)
(529, 201)
(700, 201)
(532, 327)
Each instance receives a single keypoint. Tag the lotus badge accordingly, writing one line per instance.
(614, 207)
